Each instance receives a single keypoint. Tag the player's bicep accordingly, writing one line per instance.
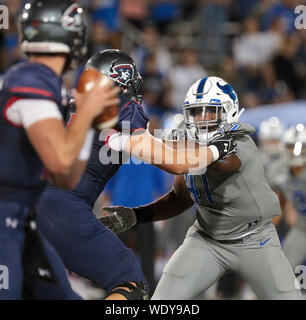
(232, 163)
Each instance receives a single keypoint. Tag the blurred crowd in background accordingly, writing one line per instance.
(252, 44)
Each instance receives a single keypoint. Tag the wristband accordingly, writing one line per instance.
(143, 214)
(215, 152)
(117, 141)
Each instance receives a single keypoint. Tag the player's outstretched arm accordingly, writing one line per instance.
(57, 146)
(173, 203)
(180, 158)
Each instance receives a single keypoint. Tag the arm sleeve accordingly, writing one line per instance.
(246, 149)
(26, 112)
(132, 118)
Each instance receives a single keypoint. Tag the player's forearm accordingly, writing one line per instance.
(73, 140)
(168, 206)
(180, 158)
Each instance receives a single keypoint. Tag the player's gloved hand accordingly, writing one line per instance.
(223, 146)
(120, 218)
(175, 135)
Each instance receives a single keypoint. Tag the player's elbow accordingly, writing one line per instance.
(177, 169)
(58, 168)
(59, 165)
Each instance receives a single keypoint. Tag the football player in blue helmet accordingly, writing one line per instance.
(235, 207)
(33, 137)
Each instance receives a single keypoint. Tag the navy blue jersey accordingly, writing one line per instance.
(97, 174)
(20, 167)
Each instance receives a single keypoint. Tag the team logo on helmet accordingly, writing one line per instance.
(122, 73)
(72, 18)
(227, 89)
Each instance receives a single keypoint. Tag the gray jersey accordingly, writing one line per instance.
(234, 204)
(294, 190)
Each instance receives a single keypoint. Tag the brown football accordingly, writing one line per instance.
(109, 117)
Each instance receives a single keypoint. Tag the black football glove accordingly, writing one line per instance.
(223, 146)
(120, 218)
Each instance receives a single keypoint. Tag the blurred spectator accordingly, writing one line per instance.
(254, 48)
(213, 42)
(260, 8)
(244, 7)
(229, 72)
(164, 12)
(154, 88)
(283, 9)
(100, 38)
(106, 11)
(151, 43)
(285, 67)
(11, 52)
(135, 11)
(106, 23)
(184, 74)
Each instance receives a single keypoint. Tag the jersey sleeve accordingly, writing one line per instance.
(246, 149)
(132, 118)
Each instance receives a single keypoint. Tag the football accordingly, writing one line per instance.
(109, 117)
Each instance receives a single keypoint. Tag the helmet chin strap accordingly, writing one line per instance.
(240, 113)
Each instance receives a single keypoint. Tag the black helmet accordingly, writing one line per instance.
(57, 26)
(119, 67)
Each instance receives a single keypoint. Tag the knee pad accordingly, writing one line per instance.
(138, 292)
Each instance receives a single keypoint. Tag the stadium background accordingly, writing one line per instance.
(253, 44)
